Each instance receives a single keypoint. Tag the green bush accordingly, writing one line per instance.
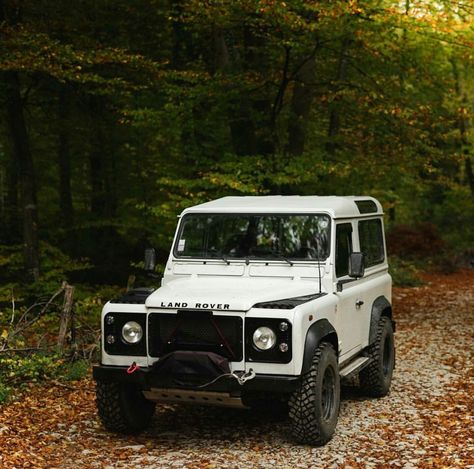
(75, 370)
(17, 372)
(27, 369)
(404, 273)
(5, 392)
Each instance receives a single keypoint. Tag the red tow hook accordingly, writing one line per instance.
(132, 368)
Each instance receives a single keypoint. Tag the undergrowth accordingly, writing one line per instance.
(404, 273)
(20, 372)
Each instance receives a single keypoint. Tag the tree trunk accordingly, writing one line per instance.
(26, 174)
(11, 231)
(469, 173)
(96, 160)
(241, 125)
(64, 160)
(301, 101)
(335, 112)
(66, 314)
(103, 197)
(180, 36)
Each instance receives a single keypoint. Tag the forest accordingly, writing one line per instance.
(116, 115)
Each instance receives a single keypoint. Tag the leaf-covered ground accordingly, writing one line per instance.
(426, 421)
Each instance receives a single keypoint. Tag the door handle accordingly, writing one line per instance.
(359, 303)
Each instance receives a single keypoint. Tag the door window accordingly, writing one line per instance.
(343, 248)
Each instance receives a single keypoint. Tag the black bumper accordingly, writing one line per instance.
(146, 378)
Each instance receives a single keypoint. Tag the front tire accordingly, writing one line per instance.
(123, 408)
(376, 378)
(314, 407)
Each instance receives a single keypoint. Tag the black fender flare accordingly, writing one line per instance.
(380, 307)
(317, 331)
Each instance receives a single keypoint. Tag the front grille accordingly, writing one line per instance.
(195, 330)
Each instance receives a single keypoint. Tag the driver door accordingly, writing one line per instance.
(349, 311)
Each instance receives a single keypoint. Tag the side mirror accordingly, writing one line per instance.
(356, 265)
(150, 259)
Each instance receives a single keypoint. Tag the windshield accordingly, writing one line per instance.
(228, 236)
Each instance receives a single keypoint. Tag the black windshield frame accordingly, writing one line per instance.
(321, 257)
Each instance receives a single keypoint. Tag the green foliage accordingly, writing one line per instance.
(404, 273)
(19, 372)
(31, 369)
(153, 106)
(89, 301)
(5, 392)
(56, 266)
(75, 370)
(454, 216)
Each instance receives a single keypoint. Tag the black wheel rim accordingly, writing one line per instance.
(387, 356)
(328, 393)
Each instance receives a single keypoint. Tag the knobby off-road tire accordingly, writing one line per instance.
(122, 408)
(376, 378)
(314, 407)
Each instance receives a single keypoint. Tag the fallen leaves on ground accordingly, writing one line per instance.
(426, 421)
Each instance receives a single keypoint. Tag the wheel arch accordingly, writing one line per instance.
(380, 307)
(321, 329)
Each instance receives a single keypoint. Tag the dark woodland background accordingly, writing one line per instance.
(115, 115)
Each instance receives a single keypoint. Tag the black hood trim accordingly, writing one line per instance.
(136, 296)
(288, 303)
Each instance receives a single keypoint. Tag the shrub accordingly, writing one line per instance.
(21, 371)
(75, 370)
(5, 392)
(404, 273)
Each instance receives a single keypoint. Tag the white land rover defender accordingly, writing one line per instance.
(263, 299)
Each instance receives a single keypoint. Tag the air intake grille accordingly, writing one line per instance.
(288, 303)
(195, 330)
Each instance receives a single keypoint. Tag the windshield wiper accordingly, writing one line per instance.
(224, 258)
(278, 256)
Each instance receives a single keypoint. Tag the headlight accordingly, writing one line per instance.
(264, 338)
(132, 332)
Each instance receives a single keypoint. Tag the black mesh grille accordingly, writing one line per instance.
(195, 330)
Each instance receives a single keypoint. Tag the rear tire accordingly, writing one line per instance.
(314, 407)
(376, 378)
(123, 408)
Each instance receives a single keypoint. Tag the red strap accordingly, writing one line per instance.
(132, 368)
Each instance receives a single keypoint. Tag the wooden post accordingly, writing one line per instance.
(66, 314)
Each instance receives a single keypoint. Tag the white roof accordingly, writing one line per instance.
(336, 206)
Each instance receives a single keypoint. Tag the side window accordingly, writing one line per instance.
(371, 241)
(343, 248)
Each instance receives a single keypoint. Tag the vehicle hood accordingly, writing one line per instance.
(230, 294)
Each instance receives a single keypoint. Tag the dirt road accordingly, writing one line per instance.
(426, 421)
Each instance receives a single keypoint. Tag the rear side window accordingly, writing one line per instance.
(343, 248)
(371, 241)
(366, 206)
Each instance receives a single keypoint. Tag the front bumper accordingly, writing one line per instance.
(146, 379)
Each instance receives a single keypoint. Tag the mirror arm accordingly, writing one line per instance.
(340, 283)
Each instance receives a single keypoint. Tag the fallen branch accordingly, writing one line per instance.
(24, 322)
(43, 310)
(16, 350)
(72, 388)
